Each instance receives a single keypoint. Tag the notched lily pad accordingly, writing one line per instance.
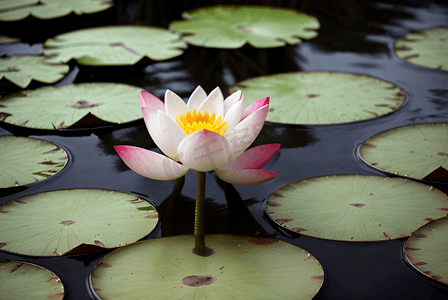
(20, 70)
(25, 160)
(356, 208)
(232, 27)
(416, 151)
(114, 45)
(14, 10)
(55, 223)
(322, 97)
(426, 249)
(425, 48)
(72, 106)
(241, 267)
(20, 280)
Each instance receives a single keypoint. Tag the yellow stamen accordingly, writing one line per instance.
(195, 121)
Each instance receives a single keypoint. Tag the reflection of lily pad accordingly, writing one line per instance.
(113, 45)
(20, 70)
(426, 249)
(26, 160)
(54, 223)
(13, 10)
(356, 208)
(412, 151)
(19, 280)
(67, 106)
(233, 26)
(241, 267)
(322, 97)
(425, 48)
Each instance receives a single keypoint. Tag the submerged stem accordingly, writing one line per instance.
(199, 242)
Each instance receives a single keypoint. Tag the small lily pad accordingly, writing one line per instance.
(356, 208)
(322, 97)
(72, 106)
(425, 48)
(241, 267)
(25, 160)
(20, 280)
(13, 10)
(413, 151)
(54, 223)
(426, 249)
(20, 70)
(114, 45)
(232, 27)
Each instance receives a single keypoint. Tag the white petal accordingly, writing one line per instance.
(233, 117)
(210, 107)
(231, 100)
(216, 97)
(174, 105)
(197, 97)
(204, 151)
(167, 135)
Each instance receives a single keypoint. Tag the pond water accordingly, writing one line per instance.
(355, 38)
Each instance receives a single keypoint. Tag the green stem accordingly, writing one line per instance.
(199, 242)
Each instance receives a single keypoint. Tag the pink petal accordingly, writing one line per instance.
(150, 164)
(254, 107)
(204, 151)
(254, 158)
(150, 101)
(246, 177)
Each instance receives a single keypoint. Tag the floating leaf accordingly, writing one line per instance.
(322, 97)
(241, 267)
(8, 40)
(26, 160)
(356, 208)
(426, 249)
(66, 106)
(113, 45)
(20, 280)
(233, 26)
(12, 10)
(20, 70)
(412, 151)
(425, 48)
(56, 222)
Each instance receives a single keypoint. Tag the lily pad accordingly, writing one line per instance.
(8, 40)
(413, 151)
(25, 160)
(356, 208)
(13, 10)
(72, 106)
(425, 48)
(20, 70)
(114, 45)
(54, 223)
(241, 267)
(20, 280)
(322, 97)
(232, 27)
(426, 249)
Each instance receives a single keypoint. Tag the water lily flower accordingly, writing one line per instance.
(206, 133)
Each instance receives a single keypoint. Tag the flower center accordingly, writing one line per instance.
(193, 122)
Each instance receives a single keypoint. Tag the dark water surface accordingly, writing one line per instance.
(355, 37)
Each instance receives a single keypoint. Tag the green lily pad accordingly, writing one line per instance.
(54, 223)
(113, 45)
(20, 280)
(425, 48)
(13, 10)
(413, 151)
(20, 70)
(8, 40)
(25, 160)
(356, 208)
(241, 267)
(232, 27)
(72, 106)
(322, 97)
(426, 249)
